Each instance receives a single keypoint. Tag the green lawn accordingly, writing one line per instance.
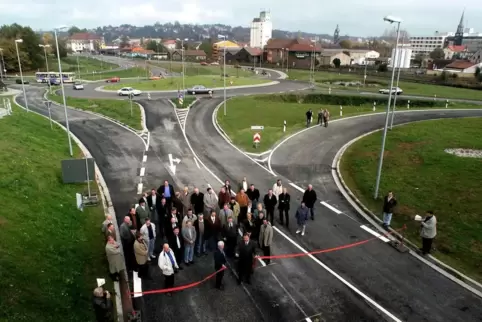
(186, 101)
(118, 109)
(51, 253)
(87, 65)
(142, 73)
(265, 110)
(174, 83)
(195, 69)
(424, 177)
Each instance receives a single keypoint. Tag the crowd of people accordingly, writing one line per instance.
(192, 224)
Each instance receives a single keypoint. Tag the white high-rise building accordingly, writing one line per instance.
(261, 30)
(400, 57)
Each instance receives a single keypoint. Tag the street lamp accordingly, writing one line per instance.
(398, 78)
(19, 41)
(312, 65)
(2, 67)
(62, 88)
(389, 19)
(183, 68)
(224, 70)
(46, 63)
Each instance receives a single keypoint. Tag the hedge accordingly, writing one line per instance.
(348, 100)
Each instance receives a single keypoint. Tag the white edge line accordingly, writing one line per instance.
(336, 211)
(216, 126)
(197, 163)
(137, 284)
(143, 172)
(308, 320)
(296, 187)
(263, 160)
(258, 154)
(356, 116)
(374, 233)
(148, 140)
(144, 158)
(341, 279)
(143, 117)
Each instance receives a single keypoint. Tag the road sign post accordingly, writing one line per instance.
(256, 139)
(48, 104)
(130, 99)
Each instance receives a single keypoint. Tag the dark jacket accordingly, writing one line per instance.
(246, 255)
(249, 227)
(162, 212)
(230, 232)
(270, 203)
(223, 198)
(136, 222)
(309, 114)
(160, 191)
(219, 259)
(388, 206)
(103, 309)
(173, 245)
(284, 200)
(176, 202)
(309, 198)
(253, 195)
(211, 229)
(198, 203)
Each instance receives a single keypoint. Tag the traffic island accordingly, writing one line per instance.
(430, 165)
(52, 253)
(282, 115)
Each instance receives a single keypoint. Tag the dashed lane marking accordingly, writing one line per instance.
(374, 233)
(139, 188)
(144, 158)
(336, 211)
(143, 172)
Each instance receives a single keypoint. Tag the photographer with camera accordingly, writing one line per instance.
(102, 305)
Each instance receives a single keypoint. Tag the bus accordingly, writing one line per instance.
(43, 77)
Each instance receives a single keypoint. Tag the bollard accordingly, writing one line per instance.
(446, 103)
(284, 126)
(149, 96)
(408, 105)
(341, 110)
(435, 97)
(329, 90)
(374, 106)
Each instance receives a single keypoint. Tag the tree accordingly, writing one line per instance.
(478, 74)
(437, 53)
(62, 49)
(382, 68)
(155, 46)
(124, 42)
(74, 30)
(337, 62)
(346, 44)
(207, 46)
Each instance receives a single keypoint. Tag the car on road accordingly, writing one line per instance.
(199, 89)
(215, 63)
(395, 90)
(126, 91)
(19, 81)
(113, 80)
(78, 86)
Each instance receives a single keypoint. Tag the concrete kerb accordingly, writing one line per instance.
(458, 277)
(101, 88)
(106, 202)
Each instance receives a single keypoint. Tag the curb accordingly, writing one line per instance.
(468, 283)
(106, 201)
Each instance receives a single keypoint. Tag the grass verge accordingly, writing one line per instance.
(425, 177)
(270, 112)
(51, 253)
(174, 83)
(142, 73)
(69, 64)
(118, 109)
(186, 102)
(196, 69)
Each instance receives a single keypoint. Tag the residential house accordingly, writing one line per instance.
(476, 57)
(462, 66)
(189, 55)
(169, 44)
(362, 56)
(293, 52)
(248, 55)
(329, 55)
(85, 42)
(453, 51)
(219, 47)
(230, 54)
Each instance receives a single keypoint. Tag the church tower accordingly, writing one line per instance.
(459, 34)
(336, 35)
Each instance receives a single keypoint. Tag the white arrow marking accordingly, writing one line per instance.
(176, 160)
(172, 167)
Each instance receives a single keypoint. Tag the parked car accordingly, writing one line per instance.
(126, 91)
(78, 86)
(395, 90)
(199, 89)
(54, 82)
(215, 63)
(204, 63)
(19, 81)
(113, 80)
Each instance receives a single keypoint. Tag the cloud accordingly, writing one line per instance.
(354, 17)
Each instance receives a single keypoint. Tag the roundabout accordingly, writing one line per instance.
(371, 282)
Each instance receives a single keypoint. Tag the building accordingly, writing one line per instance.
(85, 42)
(476, 57)
(261, 30)
(328, 56)
(362, 56)
(454, 52)
(293, 52)
(169, 44)
(462, 66)
(189, 55)
(400, 57)
(467, 37)
(218, 48)
(426, 44)
(245, 55)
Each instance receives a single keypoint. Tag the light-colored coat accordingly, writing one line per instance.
(143, 213)
(165, 263)
(186, 201)
(429, 228)
(145, 232)
(277, 190)
(140, 250)
(104, 225)
(236, 211)
(114, 257)
(224, 216)
(210, 202)
(266, 235)
(185, 235)
(186, 218)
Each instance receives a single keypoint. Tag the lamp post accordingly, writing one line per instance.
(183, 68)
(62, 88)
(287, 59)
(2, 65)
(19, 41)
(224, 70)
(389, 19)
(312, 65)
(365, 75)
(46, 64)
(398, 80)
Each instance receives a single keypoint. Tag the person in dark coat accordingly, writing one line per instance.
(245, 252)
(389, 203)
(284, 200)
(128, 238)
(166, 191)
(176, 243)
(249, 225)
(200, 246)
(309, 198)
(219, 262)
(253, 195)
(152, 201)
(257, 226)
(173, 220)
(162, 215)
(301, 218)
(197, 202)
(227, 185)
(178, 204)
(270, 202)
(212, 230)
(230, 236)
(309, 116)
(136, 222)
(103, 306)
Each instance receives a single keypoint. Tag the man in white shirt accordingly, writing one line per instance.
(168, 265)
(277, 189)
(148, 231)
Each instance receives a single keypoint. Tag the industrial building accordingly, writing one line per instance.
(261, 30)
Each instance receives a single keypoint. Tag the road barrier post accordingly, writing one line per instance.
(374, 106)
(408, 105)
(329, 90)
(149, 96)
(284, 126)
(435, 97)
(446, 103)
(341, 110)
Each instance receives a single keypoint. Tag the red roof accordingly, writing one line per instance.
(456, 49)
(85, 36)
(303, 47)
(253, 51)
(460, 64)
(169, 42)
(275, 43)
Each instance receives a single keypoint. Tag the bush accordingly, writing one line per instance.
(347, 100)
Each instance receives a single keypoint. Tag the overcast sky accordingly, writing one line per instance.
(355, 17)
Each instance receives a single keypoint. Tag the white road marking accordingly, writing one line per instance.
(197, 163)
(296, 187)
(289, 295)
(139, 188)
(308, 320)
(143, 172)
(341, 279)
(374, 233)
(144, 158)
(336, 211)
(137, 284)
(148, 140)
(263, 160)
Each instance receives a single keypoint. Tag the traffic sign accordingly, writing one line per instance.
(257, 127)
(256, 137)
